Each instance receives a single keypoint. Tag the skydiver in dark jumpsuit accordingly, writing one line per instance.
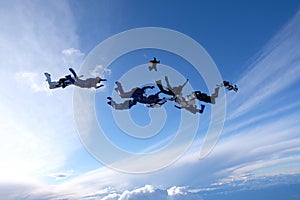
(137, 94)
(205, 98)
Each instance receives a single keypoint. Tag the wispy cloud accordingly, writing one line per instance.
(36, 131)
(32, 81)
(72, 57)
(250, 152)
(270, 79)
(101, 71)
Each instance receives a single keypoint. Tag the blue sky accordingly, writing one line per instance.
(252, 43)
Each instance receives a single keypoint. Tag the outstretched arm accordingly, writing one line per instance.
(73, 72)
(162, 89)
(99, 86)
(187, 80)
(168, 83)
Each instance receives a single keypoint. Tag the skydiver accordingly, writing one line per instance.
(158, 103)
(153, 62)
(135, 93)
(121, 106)
(119, 89)
(178, 89)
(229, 86)
(188, 104)
(153, 100)
(138, 95)
(62, 82)
(173, 91)
(192, 108)
(204, 97)
(87, 83)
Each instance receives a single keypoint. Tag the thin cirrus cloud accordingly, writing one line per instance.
(273, 74)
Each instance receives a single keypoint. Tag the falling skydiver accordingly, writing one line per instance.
(87, 83)
(204, 97)
(188, 104)
(62, 82)
(229, 86)
(153, 63)
(138, 96)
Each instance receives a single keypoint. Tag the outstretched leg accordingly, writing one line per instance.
(73, 72)
(121, 106)
(202, 109)
(119, 89)
(52, 85)
(215, 95)
(70, 79)
(99, 86)
(162, 89)
(150, 67)
(168, 83)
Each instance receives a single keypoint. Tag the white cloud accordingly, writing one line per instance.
(72, 57)
(72, 52)
(253, 151)
(181, 193)
(269, 80)
(146, 192)
(36, 129)
(112, 196)
(150, 192)
(101, 71)
(176, 190)
(32, 81)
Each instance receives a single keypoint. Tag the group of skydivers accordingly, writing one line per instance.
(138, 94)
